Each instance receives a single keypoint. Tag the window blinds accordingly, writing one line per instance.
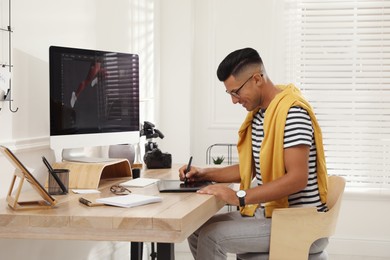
(120, 94)
(338, 53)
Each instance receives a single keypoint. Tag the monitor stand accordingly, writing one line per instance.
(80, 155)
(88, 175)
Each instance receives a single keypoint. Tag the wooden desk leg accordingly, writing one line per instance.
(165, 251)
(136, 250)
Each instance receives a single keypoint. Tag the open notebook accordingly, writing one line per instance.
(128, 201)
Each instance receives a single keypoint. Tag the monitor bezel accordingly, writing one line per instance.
(69, 141)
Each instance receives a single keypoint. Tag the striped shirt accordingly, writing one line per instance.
(298, 130)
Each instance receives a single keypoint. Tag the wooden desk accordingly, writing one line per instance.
(171, 221)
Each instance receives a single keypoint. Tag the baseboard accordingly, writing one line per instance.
(359, 247)
(22, 145)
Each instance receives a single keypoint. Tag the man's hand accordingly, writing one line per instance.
(222, 192)
(194, 174)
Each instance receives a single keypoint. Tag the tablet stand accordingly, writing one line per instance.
(13, 200)
(21, 173)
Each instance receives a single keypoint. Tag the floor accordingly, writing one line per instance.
(182, 252)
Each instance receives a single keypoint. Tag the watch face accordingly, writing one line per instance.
(241, 193)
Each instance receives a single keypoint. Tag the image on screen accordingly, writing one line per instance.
(93, 91)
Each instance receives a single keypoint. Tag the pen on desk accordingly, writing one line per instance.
(89, 203)
(187, 170)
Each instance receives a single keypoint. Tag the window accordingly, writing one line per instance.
(338, 53)
(142, 32)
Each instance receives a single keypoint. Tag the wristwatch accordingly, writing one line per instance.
(241, 197)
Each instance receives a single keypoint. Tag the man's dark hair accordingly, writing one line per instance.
(237, 61)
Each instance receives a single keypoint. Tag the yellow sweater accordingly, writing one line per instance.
(271, 153)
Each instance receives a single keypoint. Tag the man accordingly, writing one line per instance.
(280, 145)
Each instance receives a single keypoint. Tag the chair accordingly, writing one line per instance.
(294, 230)
(222, 149)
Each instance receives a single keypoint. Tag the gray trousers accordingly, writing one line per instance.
(232, 233)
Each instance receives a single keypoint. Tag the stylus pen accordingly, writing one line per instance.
(89, 203)
(187, 170)
(54, 174)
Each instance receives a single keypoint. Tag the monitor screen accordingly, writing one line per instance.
(94, 97)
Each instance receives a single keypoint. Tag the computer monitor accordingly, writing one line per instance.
(94, 99)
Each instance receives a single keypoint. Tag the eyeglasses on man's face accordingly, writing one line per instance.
(234, 92)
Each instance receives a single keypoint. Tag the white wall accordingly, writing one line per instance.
(176, 78)
(195, 112)
(86, 24)
(90, 24)
(219, 31)
(362, 230)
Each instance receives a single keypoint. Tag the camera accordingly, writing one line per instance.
(154, 158)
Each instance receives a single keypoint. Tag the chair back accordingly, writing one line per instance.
(294, 230)
(336, 186)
